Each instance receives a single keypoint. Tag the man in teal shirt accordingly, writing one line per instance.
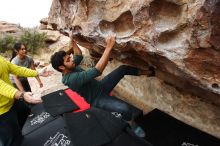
(96, 92)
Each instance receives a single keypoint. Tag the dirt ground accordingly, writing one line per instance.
(50, 83)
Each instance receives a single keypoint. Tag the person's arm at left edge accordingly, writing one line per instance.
(9, 91)
(25, 72)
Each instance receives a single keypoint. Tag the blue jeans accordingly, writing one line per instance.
(112, 103)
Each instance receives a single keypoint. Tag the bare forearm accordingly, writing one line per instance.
(17, 94)
(110, 41)
(74, 48)
(38, 79)
(28, 97)
(103, 61)
(18, 84)
(70, 48)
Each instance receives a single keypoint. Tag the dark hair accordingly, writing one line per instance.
(17, 47)
(57, 59)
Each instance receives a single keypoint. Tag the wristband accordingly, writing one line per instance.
(21, 95)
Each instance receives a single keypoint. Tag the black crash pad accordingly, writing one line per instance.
(164, 130)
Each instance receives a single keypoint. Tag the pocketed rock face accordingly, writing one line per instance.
(179, 37)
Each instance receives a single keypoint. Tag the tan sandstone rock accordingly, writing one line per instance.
(179, 37)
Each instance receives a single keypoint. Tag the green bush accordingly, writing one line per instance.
(6, 43)
(31, 38)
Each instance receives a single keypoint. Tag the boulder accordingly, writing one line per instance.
(179, 38)
(6, 27)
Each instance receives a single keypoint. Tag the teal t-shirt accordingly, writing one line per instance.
(83, 81)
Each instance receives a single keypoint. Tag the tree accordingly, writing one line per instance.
(33, 39)
(6, 42)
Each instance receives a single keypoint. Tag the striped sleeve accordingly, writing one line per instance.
(7, 90)
(21, 71)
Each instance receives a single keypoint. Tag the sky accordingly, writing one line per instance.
(27, 13)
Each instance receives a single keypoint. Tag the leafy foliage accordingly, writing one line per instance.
(6, 42)
(31, 38)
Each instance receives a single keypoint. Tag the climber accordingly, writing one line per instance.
(97, 92)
